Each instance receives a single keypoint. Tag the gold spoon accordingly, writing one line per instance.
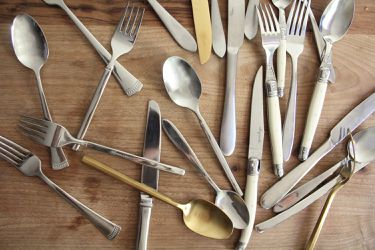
(345, 173)
(200, 216)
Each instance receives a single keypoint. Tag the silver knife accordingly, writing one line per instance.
(178, 32)
(218, 35)
(149, 176)
(236, 26)
(251, 19)
(254, 156)
(350, 122)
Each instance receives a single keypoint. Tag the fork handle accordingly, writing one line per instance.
(109, 229)
(94, 104)
(281, 55)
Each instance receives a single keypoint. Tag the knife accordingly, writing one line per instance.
(149, 176)
(236, 26)
(251, 19)
(203, 31)
(254, 156)
(178, 32)
(350, 122)
(218, 36)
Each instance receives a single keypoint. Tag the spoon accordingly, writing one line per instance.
(230, 202)
(200, 216)
(365, 153)
(184, 88)
(31, 49)
(334, 23)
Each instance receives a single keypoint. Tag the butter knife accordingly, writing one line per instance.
(203, 30)
(236, 26)
(350, 122)
(178, 32)
(149, 176)
(254, 156)
(218, 35)
(251, 19)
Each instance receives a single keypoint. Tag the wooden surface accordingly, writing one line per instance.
(33, 217)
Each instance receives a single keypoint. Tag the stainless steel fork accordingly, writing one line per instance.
(297, 22)
(54, 135)
(271, 34)
(30, 165)
(122, 42)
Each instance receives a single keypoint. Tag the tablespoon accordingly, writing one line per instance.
(200, 216)
(184, 88)
(31, 49)
(230, 202)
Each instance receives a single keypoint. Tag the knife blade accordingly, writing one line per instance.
(251, 20)
(350, 122)
(178, 32)
(218, 36)
(203, 30)
(236, 26)
(149, 176)
(254, 156)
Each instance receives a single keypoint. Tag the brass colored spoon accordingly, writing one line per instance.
(200, 216)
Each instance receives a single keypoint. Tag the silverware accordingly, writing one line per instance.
(350, 122)
(30, 165)
(281, 51)
(236, 26)
(149, 176)
(270, 31)
(54, 135)
(31, 49)
(334, 24)
(254, 156)
(251, 19)
(218, 36)
(122, 42)
(178, 32)
(294, 46)
(200, 216)
(128, 82)
(365, 153)
(184, 88)
(230, 202)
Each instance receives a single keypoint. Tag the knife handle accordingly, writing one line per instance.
(144, 222)
(251, 193)
(228, 124)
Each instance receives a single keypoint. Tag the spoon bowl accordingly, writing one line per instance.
(364, 146)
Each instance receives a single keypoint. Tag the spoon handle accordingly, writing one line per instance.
(131, 182)
(180, 142)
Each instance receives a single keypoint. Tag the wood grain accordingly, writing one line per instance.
(33, 217)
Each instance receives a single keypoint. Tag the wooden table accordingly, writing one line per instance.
(33, 217)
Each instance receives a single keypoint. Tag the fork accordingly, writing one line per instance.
(30, 165)
(122, 42)
(297, 22)
(270, 33)
(54, 135)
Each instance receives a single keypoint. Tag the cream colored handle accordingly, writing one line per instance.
(313, 117)
(126, 179)
(281, 66)
(274, 124)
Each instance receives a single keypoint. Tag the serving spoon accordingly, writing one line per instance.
(200, 216)
(230, 202)
(184, 88)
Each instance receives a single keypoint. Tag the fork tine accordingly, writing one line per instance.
(295, 18)
(290, 18)
(138, 24)
(261, 25)
(34, 126)
(128, 19)
(301, 17)
(12, 152)
(266, 25)
(275, 20)
(134, 20)
(36, 121)
(35, 138)
(30, 130)
(303, 32)
(121, 22)
(15, 146)
(272, 27)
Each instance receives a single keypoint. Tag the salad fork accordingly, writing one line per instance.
(270, 33)
(297, 22)
(54, 135)
(122, 42)
(30, 165)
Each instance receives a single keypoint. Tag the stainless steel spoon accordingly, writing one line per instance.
(31, 49)
(230, 202)
(184, 88)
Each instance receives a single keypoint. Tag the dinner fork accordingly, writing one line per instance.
(122, 42)
(54, 135)
(30, 165)
(297, 22)
(270, 33)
